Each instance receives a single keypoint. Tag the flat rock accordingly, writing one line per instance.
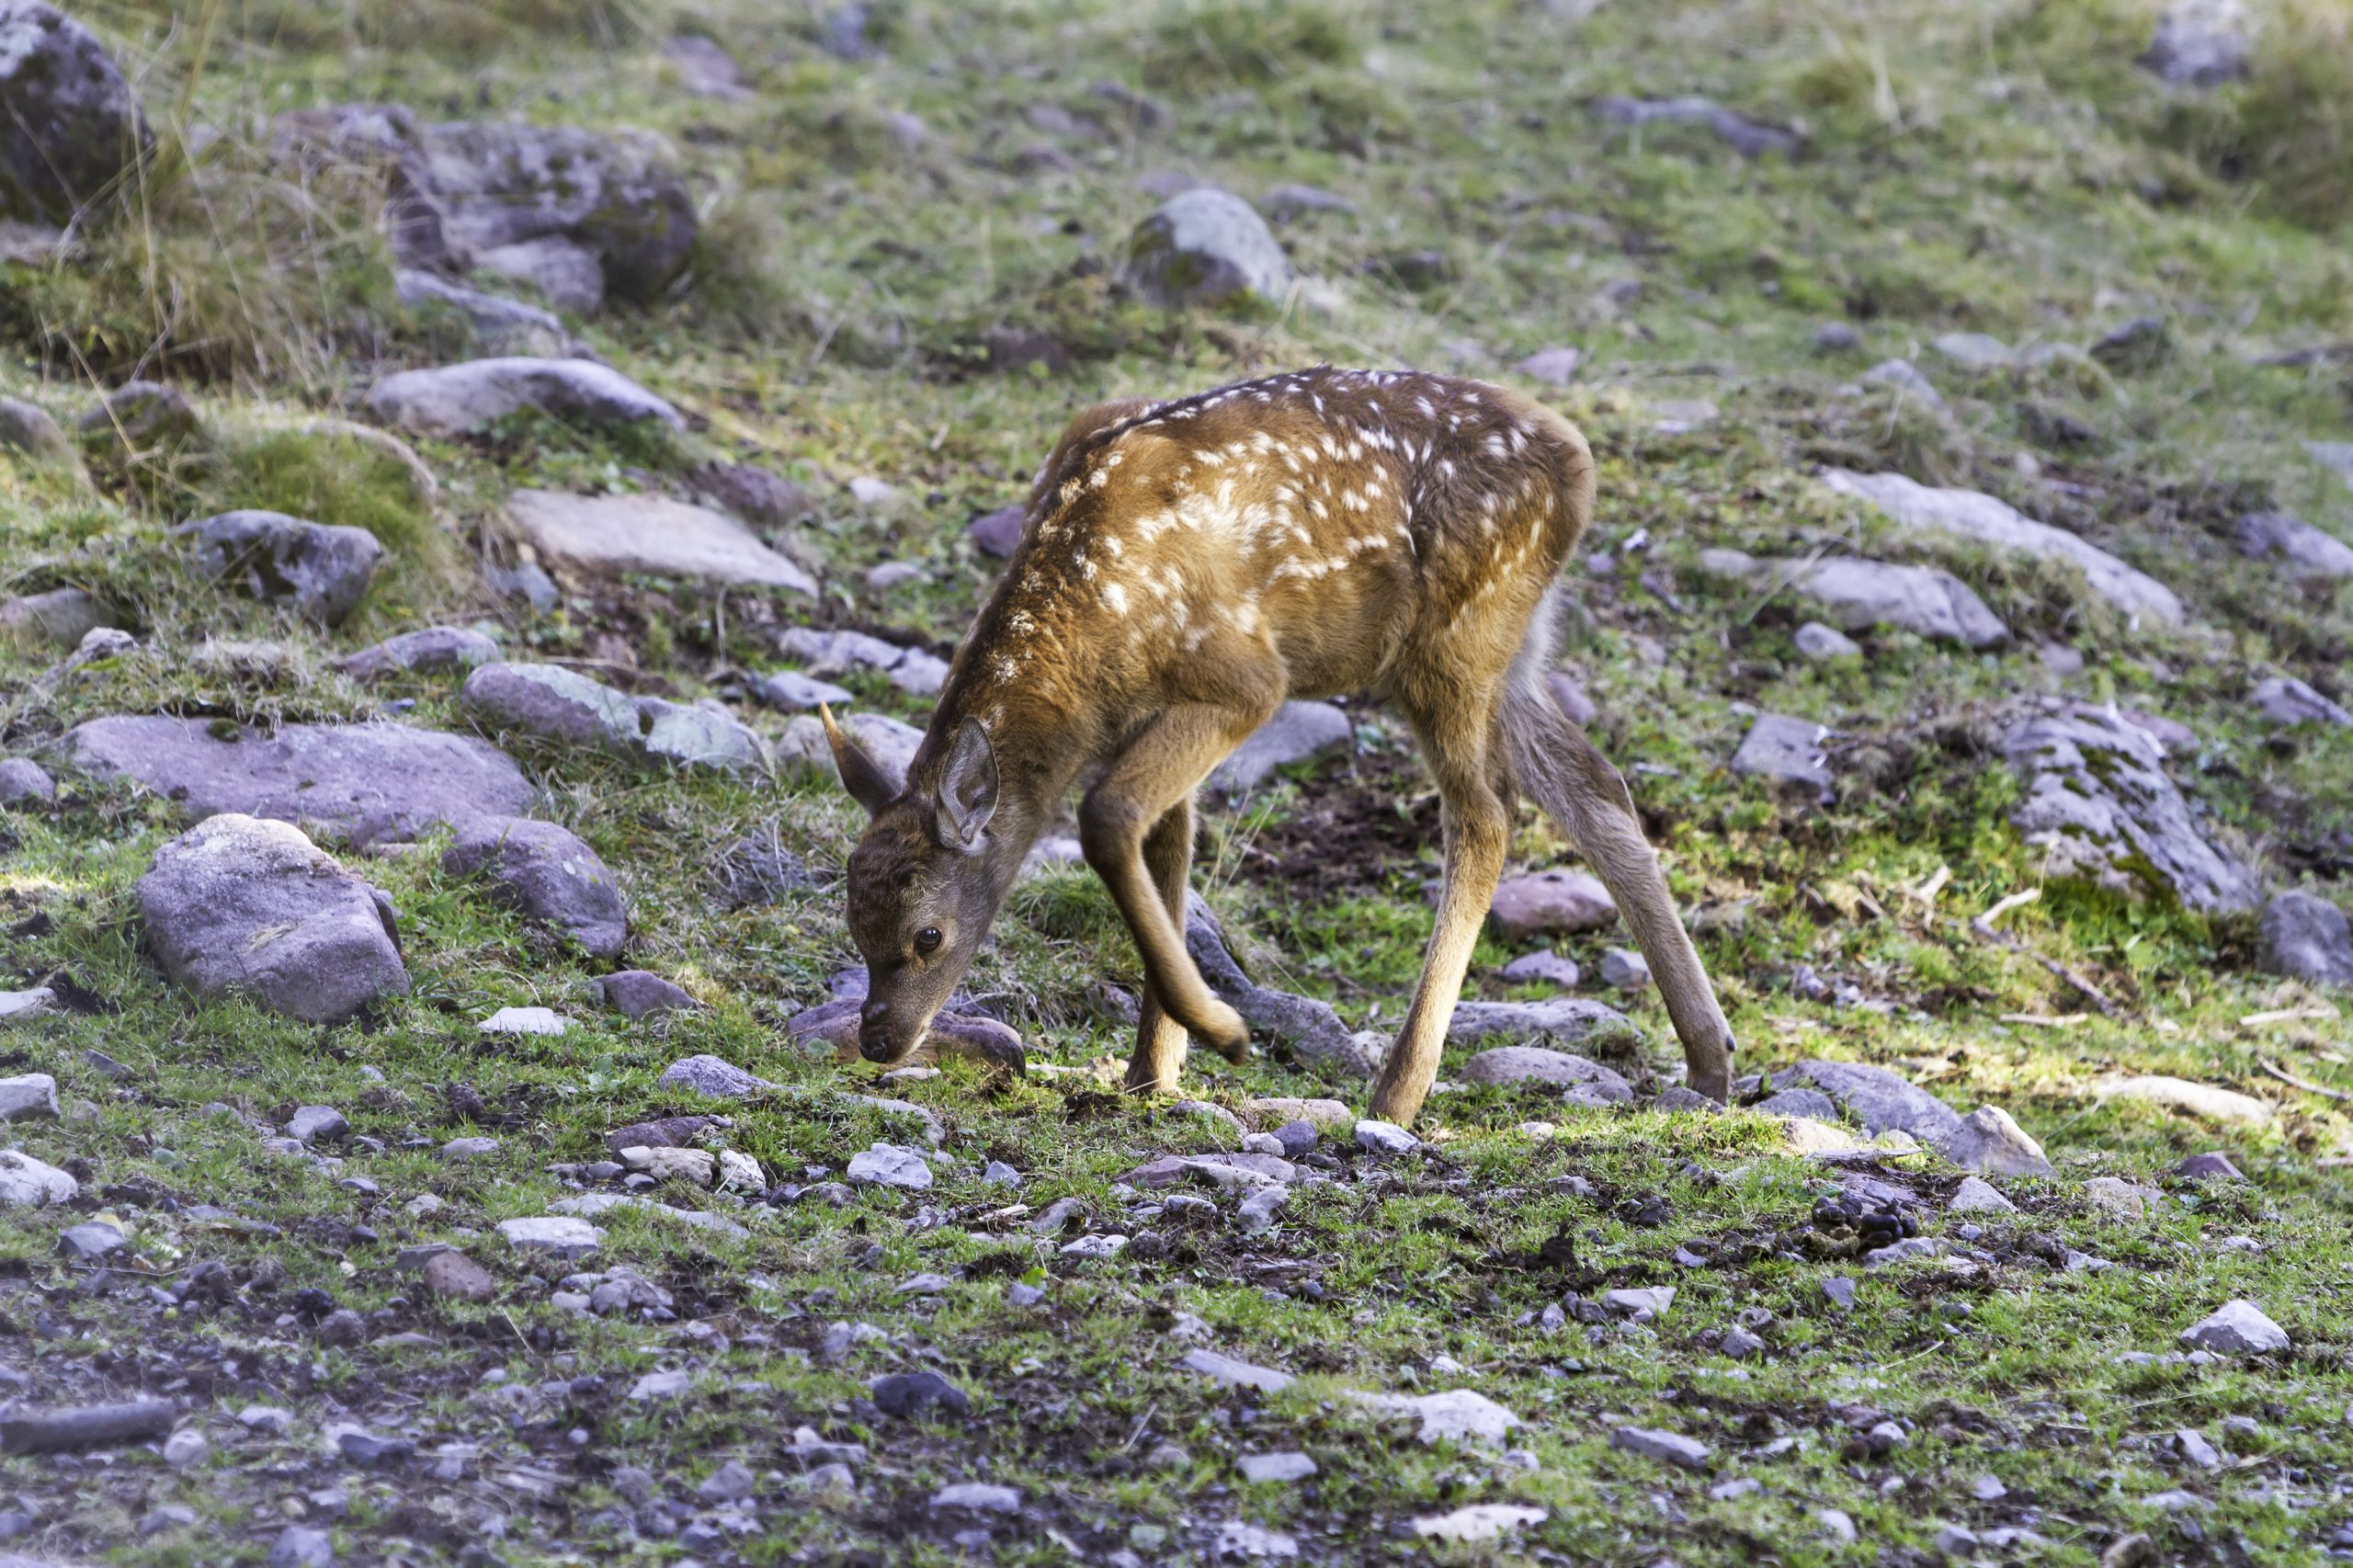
(1786, 750)
(524, 1022)
(1299, 733)
(976, 1498)
(714, 1076)
(2283, 699)
(1554, 367)
(1549, 902)
(1456, 1415)
(1977, 1196)
(1269, 1470)
(28, 1097)
(914, 670)
(1224, 1369)
(1332, 1116)
(366, 781)
(1824, 643)
(1974, 350)
(2238, 1328)
(1205, 246)
(890, 1164)
(797, 693)
(1668, 1448)
(1991, 522)
(650, 534)
(242, 904)
(61, 617)
(28, 1183)
(1580, 1081)
(559, 1235)
(458, 399)
(1541, 969)
(1386, 1138)
(2099, 805)
(1479, 1521)
(1989, 1141)
(641, 994)
(1311, 1029)
(559, 704)
(2201, 1100)
(2283, 536)
(1880, 1100)
(589, 1205)
(1809, 1102)
(1568, 1020)
(2306, 938)
(427, 651)
(889, 743)
(1859, 594)
(455, 1277)
(1749, 138)
(321, 570)
(493, 324)
(547, 873)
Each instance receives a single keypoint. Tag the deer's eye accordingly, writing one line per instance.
(927, 940)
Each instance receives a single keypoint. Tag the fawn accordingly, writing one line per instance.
(1185, 568)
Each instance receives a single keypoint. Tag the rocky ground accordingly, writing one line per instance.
(447, 452)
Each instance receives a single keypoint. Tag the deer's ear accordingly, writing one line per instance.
(867, 783)
(966, 789)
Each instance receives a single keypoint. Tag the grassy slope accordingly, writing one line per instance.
(2000, 168)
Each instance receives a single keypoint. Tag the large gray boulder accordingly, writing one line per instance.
(1786, 750)
(1880, 1100)
(1580, 1082)
(2306, 938)
(547, 873)
(1995, 523)
(2284, 537)
(2099, 806)
(457, 400)
(1207, 247)
(616, 199)
(652, 534)
(69, 128)
(365, 781)
(321, 569)
(242, 904)
(1859, 595)
(557, 704)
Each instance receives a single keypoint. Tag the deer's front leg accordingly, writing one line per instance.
(1478, 832)
(1159, 1061)
(1162, 767)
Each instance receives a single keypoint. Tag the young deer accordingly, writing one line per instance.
(1186, 567)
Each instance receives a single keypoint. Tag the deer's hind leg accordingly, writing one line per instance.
(1159, 1061)
(1463, 744)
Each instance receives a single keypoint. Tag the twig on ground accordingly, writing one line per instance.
(2304, 1084)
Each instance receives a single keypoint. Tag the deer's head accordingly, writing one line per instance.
(922, 883)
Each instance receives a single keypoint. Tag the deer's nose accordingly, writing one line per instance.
(877, 1039)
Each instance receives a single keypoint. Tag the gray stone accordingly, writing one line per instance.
(2192, 1446)
(1785, 750)
(1300, 732)
(890, 1164)
(1309, 1028)
(139, 418)
(454, 1277)
(2238, 1328)
(2335, 456)
(458, 399)
(1643, 1304)
(1749, 138)
(2099, 806)
(25, 429)
(1836, 337)
(72, 131)
(1540, 903)
(547, 873)
(1269, 1469)
(1908, 382)
(1222, 1369)
(1283, 202)
(493, 323)
(589, 1205)
(2116, 1198)
(1974, 350)
(1809, 1102)
(1554, 367)
(1881, 1101)
(976, 1498)
(559, 704)
(1256, 1214)
(1542, 968)
(1206, 247)
(28, 1097)
(61, 617)
(559, 1235)
(1977, 1196)
(90, 1242)
(2212, 1165)
(1861, 594)
(1625, 968)
(302, 1546)
(2286, 700)
(365, 780)
(238, 903)
(640, 993)
(1565, 1019)
(998, 533)
(2201, 1100)
(1386, 1138)
(1983, 519)
(797, 693)
(713, 1077)
(23, 780)
(830, 653)
(524, 1022)
(1454, 1415)
(889, 743)
(2306, 938)
(1905, 1251)
(427, 651)
(2289, 538)
(1824, 644)
(650, 534)
(317, 1124)
(1668, 1448)
(2199, 43)
(1582, 1082)
(28, 1183)
(1989, 1141)
(321, 570)
(562, 272)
